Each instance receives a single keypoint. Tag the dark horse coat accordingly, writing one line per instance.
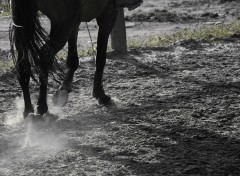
(36, 49)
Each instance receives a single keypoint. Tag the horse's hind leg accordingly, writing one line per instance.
(45, 65)
(58, 37)
(106, 22)
(23, 69)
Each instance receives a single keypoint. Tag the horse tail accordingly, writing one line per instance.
(27, 35)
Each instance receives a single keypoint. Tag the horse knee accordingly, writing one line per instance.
(73, 62)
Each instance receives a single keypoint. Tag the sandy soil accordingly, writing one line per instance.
(176, 111)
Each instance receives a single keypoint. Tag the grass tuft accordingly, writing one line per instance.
(206, 33)
(4, 10)
(203, 33)
(5, 65)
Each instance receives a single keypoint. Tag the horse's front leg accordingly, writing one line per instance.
(106, 23)
(72, 62)
(98, 90)
(60, 98)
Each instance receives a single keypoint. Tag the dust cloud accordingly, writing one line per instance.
(14, 118)
(27, 141)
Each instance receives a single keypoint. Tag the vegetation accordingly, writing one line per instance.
(5, 65)
(203, 33)
(206, 33)
(4, 10)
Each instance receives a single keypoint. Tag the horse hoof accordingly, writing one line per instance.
(50, 118)
(60, 98)
(26, 114)
(104, 100)
(34, 118)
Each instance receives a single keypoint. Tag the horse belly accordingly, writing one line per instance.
(92, 9)
(60, 10)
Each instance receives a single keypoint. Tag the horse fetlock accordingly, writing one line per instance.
(100, 95)
(34, 118)
(27, 112)
(98, 91)
(104, 99)
(42, 109)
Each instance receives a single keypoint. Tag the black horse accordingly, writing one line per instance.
(36, 49)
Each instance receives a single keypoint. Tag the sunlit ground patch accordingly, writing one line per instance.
(35, 144)
(25, 142)
(15, 117)
(42, 136)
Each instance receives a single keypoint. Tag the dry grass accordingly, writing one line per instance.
(206, 33)
(202, 33)
(4, 10)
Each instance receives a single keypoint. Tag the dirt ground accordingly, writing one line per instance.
(176, 109)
